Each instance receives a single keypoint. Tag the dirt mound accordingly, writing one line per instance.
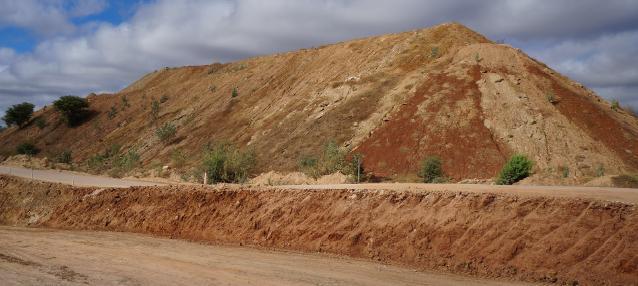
(274, 178)
(577, 241)
(445, 91)
(297, 178)
(27, 161)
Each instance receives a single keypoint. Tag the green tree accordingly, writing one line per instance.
(73, 108)
(517, 168)
(235, 93)
(18, 114)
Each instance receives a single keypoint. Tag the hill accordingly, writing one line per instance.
(445, 91)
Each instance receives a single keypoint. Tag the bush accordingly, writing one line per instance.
(126, 162)
(97, 163)
(178, 158)
(27, 149)
(600, 170)
(40, 123)
(18, 114)
(64, 157)
(517, 168)
(615, 105)
(155, 106)
(225, 163)
(564, 171)
(112, 112)
(235, 93)
(72, 108)
(125, 103)
(333, 159)
(551, 98)
(166, 132)
(114, 161)
(431, 170)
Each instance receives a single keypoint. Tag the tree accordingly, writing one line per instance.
(72, 108)
(18, 114)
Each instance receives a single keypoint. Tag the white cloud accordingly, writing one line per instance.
(101, 56)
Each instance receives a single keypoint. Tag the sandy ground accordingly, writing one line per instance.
(73, 178)
(55, 257)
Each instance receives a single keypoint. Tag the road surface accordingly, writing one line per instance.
(624, 195)
(32, 256)
(74, 178)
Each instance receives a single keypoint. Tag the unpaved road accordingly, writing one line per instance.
(72, 178)
(600, 193)
(30, 256)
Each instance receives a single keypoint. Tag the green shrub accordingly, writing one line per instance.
(40, 123)
(615, 105)
(178, 158)
(431, 170)
(125, 103)
(166, 132)
(27, 149)
(517, 168)
(18, 114)
(551, 98)
(223, 162)
(434, 52)
(97, 163)
(155, 106)
(333, 159)
(600, 170)
(64, 157)
(126, 162)
(235, 93)
(73, 108)
(307, 164)
(564, 171)
(112, 113)
(114, 161)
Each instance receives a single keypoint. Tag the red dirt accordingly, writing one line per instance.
(531, 238)
(468, 151)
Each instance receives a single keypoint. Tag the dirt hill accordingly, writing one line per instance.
(445, 91)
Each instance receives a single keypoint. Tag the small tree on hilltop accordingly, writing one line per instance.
(18, 114)
(72, 108)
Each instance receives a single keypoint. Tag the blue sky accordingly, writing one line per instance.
(50, 48)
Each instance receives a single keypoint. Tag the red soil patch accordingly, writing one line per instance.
(467, 150)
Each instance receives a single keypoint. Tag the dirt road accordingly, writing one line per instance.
(31, 256)
(598, 193)
(72, 178)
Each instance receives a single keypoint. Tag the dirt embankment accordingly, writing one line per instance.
(491, 235)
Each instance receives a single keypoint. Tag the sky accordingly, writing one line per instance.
(50, 48)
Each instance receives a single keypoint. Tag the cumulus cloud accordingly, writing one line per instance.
(592, 41)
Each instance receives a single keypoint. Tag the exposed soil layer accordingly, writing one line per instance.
(441, 120)
(531, 238)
